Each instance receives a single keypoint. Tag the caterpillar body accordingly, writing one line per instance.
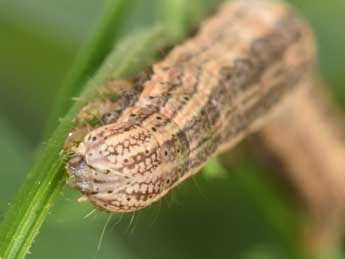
(201, 99)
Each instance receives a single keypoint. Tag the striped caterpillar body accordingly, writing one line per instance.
(201, 99)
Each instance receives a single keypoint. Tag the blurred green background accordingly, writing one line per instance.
(241, 214)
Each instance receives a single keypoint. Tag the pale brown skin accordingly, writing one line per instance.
(204, 97)
(307, 138)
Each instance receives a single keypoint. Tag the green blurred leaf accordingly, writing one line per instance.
(14, 159)
(179, 18)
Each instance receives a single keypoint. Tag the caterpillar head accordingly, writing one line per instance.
(123, 167)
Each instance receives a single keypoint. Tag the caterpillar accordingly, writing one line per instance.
(204, 97)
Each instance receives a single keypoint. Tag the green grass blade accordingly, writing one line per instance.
(90, 57)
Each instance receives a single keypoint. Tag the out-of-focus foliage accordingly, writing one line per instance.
(238, 214)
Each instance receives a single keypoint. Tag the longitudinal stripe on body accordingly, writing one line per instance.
(247, 76)
(203, 97)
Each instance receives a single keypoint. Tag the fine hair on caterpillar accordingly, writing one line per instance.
(203, 98)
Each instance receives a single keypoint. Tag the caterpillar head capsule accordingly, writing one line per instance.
(122, 167)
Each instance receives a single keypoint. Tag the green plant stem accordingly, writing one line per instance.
(90, 57)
